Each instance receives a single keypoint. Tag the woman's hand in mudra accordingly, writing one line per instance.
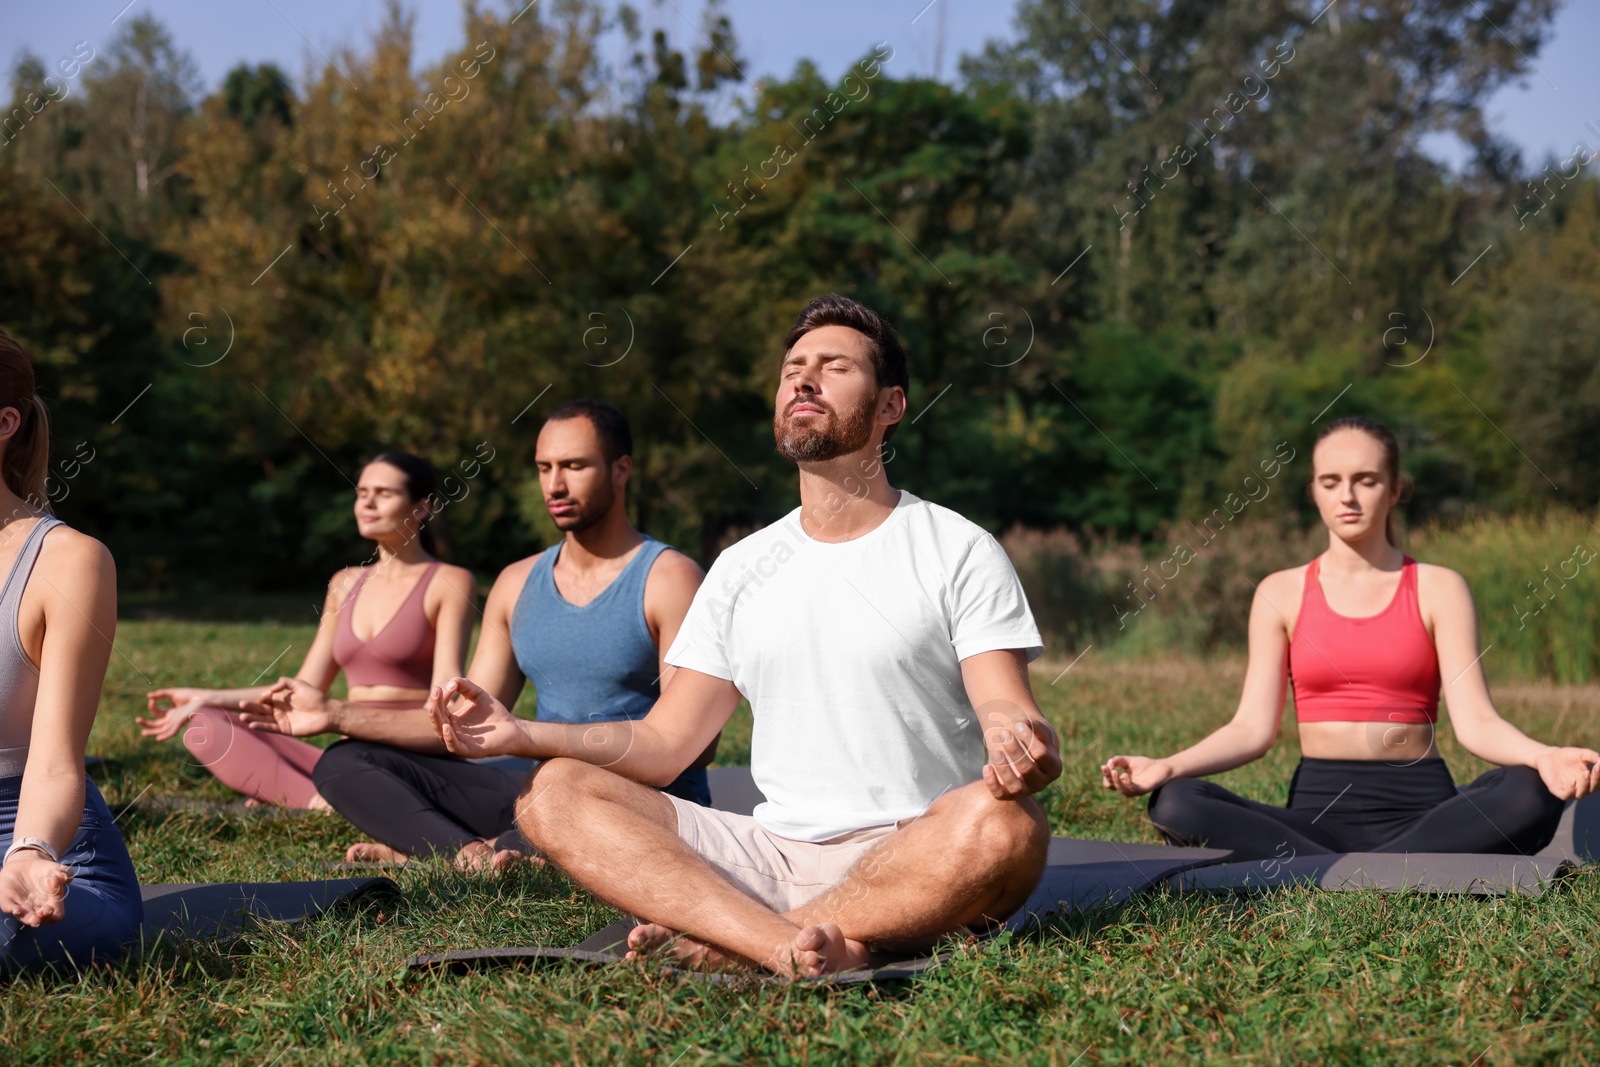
(165, 723)
(175, 696)
(33, 887)
(1134, 776)
(1569, 772)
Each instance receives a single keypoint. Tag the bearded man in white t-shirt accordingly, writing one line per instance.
(882, 642)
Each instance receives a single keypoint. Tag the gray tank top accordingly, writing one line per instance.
(19, 678)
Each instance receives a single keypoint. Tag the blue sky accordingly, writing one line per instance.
(1546, 112)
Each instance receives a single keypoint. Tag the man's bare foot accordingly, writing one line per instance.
(482, 855)
(318, 803)
(254, 802)
(818, 950)
(651, 939)
(374, 852)
(506, 859)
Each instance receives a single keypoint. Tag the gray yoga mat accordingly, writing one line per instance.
(733, 790)
(1082, 874)
(1578, 837)
(1429, 872)
(1576, 843)
(225, 908)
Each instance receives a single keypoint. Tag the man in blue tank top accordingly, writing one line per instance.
(585, 621)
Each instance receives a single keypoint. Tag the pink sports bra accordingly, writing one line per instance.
(400, 654)
(1382, 668)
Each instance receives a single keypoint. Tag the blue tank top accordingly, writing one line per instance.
(596, 663)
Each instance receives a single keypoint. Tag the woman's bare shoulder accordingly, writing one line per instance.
(1435, 581)
(451, 579)
(68, 549)
(343, 581)
(1284, 582)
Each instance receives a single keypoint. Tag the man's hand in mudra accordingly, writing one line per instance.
(471, 722)
(291, 706)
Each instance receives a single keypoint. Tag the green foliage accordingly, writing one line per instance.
(251, 94)
(1546, 346)
(1131, 255)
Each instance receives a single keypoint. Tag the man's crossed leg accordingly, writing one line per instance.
(969, 860)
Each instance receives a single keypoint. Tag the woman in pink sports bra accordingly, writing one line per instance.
(1364, 634)
(395, 627)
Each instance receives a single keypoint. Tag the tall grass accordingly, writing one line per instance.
(1187, 591)
(1535, 580)
(1534, 577)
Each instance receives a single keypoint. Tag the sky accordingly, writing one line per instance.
(1544, 113)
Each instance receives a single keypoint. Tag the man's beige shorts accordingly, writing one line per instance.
(780, 872)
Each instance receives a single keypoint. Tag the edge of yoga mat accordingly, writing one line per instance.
(191, 805)
(200, 910)
(1083, 874)
(1476, 874)
(606, 947)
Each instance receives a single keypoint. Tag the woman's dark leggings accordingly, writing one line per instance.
(1365, 806)
(420, 804)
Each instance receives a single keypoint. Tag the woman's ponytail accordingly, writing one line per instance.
(27, 453)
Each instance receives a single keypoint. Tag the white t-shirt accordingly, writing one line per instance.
(850, 655)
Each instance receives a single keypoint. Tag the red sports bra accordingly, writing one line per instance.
(1382, 668)
(400, 654)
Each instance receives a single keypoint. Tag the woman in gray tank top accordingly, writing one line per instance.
(68, 894)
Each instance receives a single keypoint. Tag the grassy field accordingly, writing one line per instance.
(1293, 977)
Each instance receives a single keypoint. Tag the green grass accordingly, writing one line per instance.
(1293, 977)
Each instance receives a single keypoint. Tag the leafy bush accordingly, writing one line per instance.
(1535, 582)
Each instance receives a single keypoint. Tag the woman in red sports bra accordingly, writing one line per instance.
(1364, 634)
(396, 628)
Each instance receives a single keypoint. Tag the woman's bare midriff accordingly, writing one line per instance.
(386, 694)
(1391, 742)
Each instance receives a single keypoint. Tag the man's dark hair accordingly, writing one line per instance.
(611, 425)
(888, 355)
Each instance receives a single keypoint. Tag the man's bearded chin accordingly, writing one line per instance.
(598, 509)
(577, 522)
(809, 443)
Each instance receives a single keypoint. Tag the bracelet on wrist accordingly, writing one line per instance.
(31, 844)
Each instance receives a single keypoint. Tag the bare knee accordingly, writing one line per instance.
(549, 801)
(568, 796)
(1002, 834)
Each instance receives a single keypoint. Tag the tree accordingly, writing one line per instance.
(251, 94)
(1547, 351)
